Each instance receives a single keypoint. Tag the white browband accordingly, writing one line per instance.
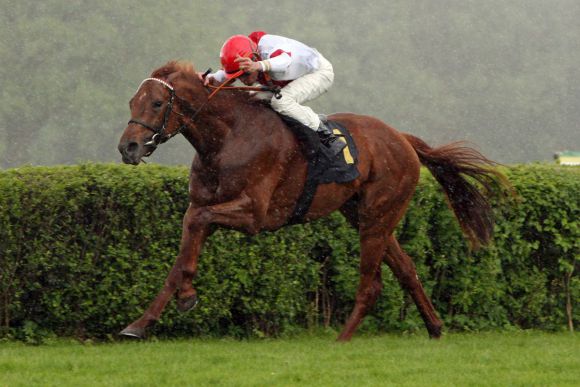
(157, 80)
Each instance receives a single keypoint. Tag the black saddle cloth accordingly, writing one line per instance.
(323, 166)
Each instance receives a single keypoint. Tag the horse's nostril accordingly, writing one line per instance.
(132, 147)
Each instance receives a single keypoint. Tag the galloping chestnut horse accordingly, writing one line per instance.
(249, 172)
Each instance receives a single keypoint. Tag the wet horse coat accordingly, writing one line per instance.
(248, 174)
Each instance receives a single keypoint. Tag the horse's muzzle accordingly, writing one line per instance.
(131, 151)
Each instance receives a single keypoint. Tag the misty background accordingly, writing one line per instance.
(503, 74)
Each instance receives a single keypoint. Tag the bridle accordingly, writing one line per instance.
(159, 136)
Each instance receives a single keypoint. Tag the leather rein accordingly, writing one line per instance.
(273, 89)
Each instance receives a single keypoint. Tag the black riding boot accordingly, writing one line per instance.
(329, 139)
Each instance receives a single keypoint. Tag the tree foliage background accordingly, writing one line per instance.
(502, 74)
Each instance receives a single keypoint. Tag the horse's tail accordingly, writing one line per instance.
(450, 165)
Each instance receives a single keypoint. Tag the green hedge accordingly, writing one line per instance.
(84, 249)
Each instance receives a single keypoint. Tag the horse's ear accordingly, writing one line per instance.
(166, 70)
(162, 72)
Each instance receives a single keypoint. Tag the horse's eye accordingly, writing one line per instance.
(157, 104)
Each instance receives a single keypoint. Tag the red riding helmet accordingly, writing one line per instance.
(236, 45)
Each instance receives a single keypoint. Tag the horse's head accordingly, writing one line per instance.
(152, 120)
(156, 112)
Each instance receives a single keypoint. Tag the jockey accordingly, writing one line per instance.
(301, 71)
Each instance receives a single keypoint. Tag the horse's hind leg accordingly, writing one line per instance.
(370, 268)
(404, 269)
(375, 212)
(370, 285)
(381, 206)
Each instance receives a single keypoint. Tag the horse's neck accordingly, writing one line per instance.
(208, 129)
(213, 126)
(208, 136)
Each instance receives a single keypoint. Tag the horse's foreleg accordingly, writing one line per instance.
(370, 285)
(404, 269)
(180, 276)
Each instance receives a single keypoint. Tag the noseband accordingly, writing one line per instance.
(159, 135)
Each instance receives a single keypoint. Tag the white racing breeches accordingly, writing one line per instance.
(305, 88)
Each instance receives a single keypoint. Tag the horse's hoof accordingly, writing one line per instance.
(133, 333)
(435, 332)
(187, 304)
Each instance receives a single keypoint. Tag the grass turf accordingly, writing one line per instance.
(487, 359)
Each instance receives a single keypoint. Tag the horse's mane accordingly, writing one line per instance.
(174, 66)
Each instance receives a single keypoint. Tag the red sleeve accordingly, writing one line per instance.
(279, 52)
(256, 36)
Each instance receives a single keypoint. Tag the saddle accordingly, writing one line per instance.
(323, 166)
